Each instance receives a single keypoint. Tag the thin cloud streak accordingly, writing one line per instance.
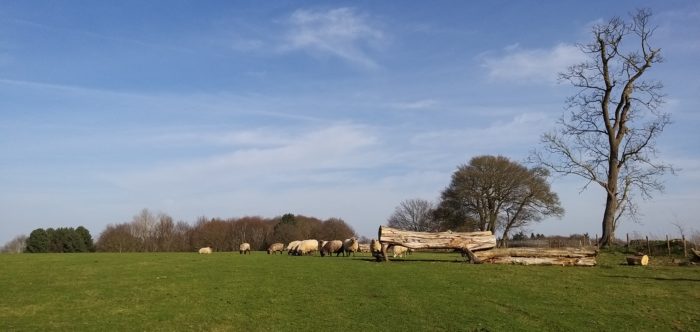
(531, 65)
(341, 32)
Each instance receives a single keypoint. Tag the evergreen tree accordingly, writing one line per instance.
(38, 241)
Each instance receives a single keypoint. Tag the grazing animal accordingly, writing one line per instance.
(275, 248)
(320, 246)
(332, 247)
(350, 246)
(400, 251)
(307, 247)
(244, 248)
(292, 247)
(205, 250)
(375, 246)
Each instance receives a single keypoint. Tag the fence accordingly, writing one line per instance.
(668, 247)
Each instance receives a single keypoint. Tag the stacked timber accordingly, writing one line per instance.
(479, 247)
(539, 256)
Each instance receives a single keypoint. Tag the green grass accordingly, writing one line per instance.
(426, 292)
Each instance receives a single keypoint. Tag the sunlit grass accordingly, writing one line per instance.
(430, 292)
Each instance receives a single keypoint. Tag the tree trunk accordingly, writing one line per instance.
(638, 260)
(608, 236)
(440, 240)
(539, 256)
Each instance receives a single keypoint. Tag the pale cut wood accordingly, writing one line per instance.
(638, 260)
(539, 256)
(536, 252)
(562, 261)
(440, 240)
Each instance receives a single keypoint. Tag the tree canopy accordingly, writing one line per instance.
(494, 193)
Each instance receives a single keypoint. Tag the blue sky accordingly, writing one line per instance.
(329, 109)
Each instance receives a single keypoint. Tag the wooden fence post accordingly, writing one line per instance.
(668, 245)
(628, 241)
(648, 246)
(685, 248)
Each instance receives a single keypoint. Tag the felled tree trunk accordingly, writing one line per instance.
(638, 260)
(539, 256)
(695, 255)
(441, 240)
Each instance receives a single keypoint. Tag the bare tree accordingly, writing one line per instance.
(143, 227)
(16, 245)
(608, 136)
(414, 215)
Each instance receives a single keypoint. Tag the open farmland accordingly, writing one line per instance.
(231, 292)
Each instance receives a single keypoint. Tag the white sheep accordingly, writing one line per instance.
(244, 248)
(350, 246)
(332, 247)
(292, 247)
(400, 251)
(275, 248)
(375, 246)
(205, 250)
(307, 247)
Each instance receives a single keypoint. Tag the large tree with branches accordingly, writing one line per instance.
(493, 192)
(609, 132)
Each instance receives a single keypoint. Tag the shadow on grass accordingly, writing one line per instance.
(370, 259)
(653, 278)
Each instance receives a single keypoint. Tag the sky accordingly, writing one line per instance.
(321, 108)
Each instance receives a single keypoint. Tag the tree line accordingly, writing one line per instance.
(147, 232)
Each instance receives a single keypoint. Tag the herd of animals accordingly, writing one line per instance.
(325, 248)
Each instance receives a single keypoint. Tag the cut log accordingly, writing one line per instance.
(473, 241)
(638, 260)
(539, 256)
(695, 255)
(561, 261)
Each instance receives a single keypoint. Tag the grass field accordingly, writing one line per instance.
(426, 292)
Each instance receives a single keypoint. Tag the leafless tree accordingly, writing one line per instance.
(414, 215)
(16, 245)
(143, 227)
(608, 135)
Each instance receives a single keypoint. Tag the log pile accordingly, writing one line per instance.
(480, 247)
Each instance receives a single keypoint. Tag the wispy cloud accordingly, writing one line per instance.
(501, 136)
(516, 64)
(415, 104)
(340, 32)
(277, 156)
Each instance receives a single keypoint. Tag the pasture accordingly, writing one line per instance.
(259, 292)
